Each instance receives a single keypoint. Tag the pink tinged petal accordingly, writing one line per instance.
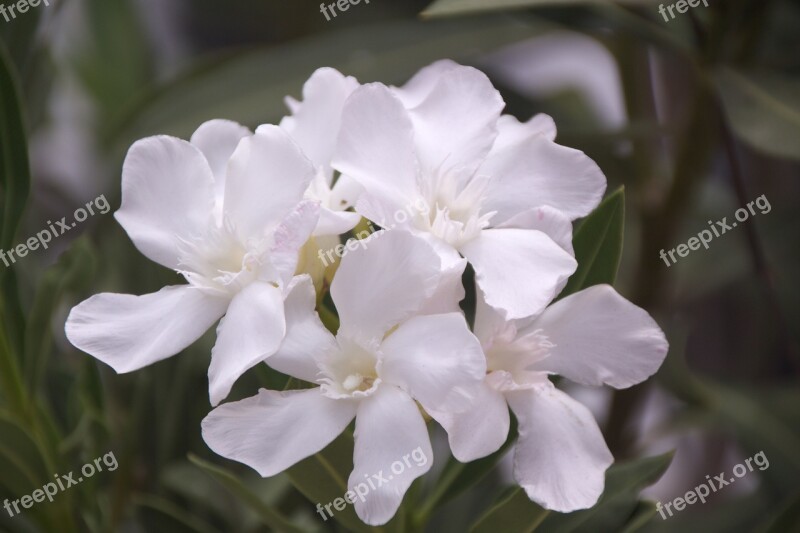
(316, 120)
(290, 236)
(167, 196)
(274, 430)
(560, 457)
(131, 332)
(251, 331)
(519, 271)
(383, 283)
(548, 220)
(306, 338)
(456, 124)
(267, 177)
(417, 89)
(536, 171)
(376, 145)
(601, 338)
(511, 131)
(436, 359)
(218, 139)
(390, 433)
(479, 430)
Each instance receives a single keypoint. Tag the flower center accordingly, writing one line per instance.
(455, 208)
(350, 372)
(219, 261)
(517, 358)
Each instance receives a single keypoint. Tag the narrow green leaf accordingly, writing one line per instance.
(14, 188)
(445, 8)
(513, 513)
(763, 111)
(176, 515)
(641, 517)
(787, 518)
(73, 271)
(269, 516)
(598, 244)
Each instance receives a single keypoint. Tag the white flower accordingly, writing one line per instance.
(384, 357)
(500, 192)
(226, 211)
(593, 337)
(314, 125)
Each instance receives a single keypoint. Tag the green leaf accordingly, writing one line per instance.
(786, 519)
(74, 270)
(763, 110)
(513, 513)
(268, 516)
(444, 8)
(14, 188)
(641, 517)
(598, 244)
(624, 482)
(176, 518)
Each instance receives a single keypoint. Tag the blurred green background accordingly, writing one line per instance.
(695, 117)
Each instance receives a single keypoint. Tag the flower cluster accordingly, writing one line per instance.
(235, 212)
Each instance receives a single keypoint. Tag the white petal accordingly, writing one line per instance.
(601, 338)
(511, 131)
(560, 457)
(376, 145)
(290, 236)
(274, 430)
(450, 290)
(436, 359)
(390, 432)
(267, 177)
(479, 430)
(218, 139)
(519, 271)
(420, 86)
(316, 120)
(548, 220)
(536, 171)
(130, 332)
(335, 222)
(167, 195)
(251, 331)
(345, 193)
(456, 124)
(306, 338)
(383, 283)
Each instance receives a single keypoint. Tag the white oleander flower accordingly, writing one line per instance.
(226, 211)
(593, 337)
(383, 358)
(500, 192)
(314, 125)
